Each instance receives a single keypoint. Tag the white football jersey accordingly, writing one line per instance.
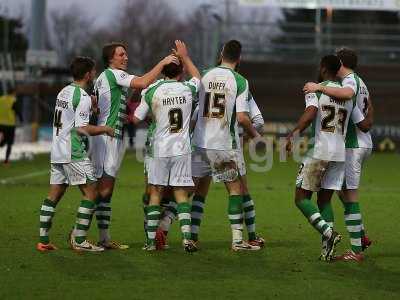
(171, 104)
(72, 110)
(330, 125)
(255, 114)
(355, 137)
(111, 89)
(223, 93)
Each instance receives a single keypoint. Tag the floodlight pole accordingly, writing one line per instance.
(37, 42)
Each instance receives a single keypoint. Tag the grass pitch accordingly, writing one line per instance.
(286, 268)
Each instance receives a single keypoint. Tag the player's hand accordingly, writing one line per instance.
(109, 131)
(170, 59)
(95, 106)
(181, 49)
(311, 87)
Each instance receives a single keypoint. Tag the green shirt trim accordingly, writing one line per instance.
(78, 147)
(351, 134)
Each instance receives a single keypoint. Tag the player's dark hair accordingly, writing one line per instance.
(80, 65)
(331, 63)
(172, 70)
(232, 51)
(348, 57)
(109, 51)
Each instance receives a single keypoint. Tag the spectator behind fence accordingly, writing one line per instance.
(8, 112)
(129, 126)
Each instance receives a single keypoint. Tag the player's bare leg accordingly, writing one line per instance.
(47, 212)
(184, 209)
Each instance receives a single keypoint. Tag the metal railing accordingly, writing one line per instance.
(305, 42)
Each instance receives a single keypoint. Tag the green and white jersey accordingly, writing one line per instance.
(72, 110)
(355, 138)
(170, 102)
(330, 125)
(111, 89)
(224, 92)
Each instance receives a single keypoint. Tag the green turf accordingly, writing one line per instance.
(286, 268)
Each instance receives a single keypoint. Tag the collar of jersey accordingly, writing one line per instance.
(75, 85)
(348, 74)
(223, 67)
(170, 80)
(325, 82)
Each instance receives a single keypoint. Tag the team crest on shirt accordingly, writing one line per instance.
(84, 115)
(310, 96)
(123, 75)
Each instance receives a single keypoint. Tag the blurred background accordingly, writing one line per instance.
(282, 43)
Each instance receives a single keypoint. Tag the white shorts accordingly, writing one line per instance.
(222, 165)
(173, 171)
(146, 164)
(74, 173)
(315, 174)
(241, 163)
(107, 154)
(355, 158)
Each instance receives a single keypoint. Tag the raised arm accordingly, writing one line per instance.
(144, 81)
(182, 53)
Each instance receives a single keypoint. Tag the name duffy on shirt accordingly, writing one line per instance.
(174, 100)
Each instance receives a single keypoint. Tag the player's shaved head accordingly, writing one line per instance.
(348, 57)
(232, 51)
(81, 65)
(109, 51)
(330, 64)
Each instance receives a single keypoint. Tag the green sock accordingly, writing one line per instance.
(235, 217)
(311, 212)
(103, 217)
(249, 216)
(145, 201)
(184, 219)
(153, 219)
(47, 212)
(196, 215)
(83, 219)
(327, 213)
(352, 217)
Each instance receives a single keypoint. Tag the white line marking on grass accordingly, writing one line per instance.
(29, 175)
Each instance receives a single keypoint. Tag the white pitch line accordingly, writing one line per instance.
(29, 175)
